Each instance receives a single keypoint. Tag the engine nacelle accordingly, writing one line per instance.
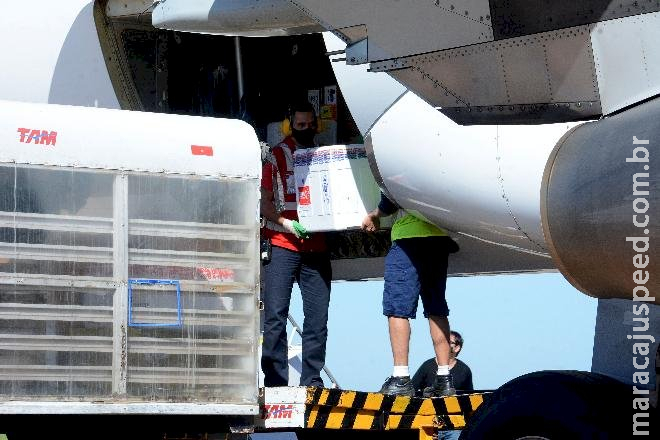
(600, 205)
(252, 18)
(481, 183)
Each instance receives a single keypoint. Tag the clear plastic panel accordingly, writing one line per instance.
(192, 266)
(191, 326)
(56, 284)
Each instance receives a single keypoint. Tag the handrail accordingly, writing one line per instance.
(298, 330)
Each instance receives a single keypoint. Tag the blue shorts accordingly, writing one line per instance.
(416, 267)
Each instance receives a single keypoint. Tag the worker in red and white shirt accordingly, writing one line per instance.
(296, 255)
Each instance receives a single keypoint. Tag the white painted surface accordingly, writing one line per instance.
(51, 54)
(285, 394)
(27, 407)
(283, 407)
(521, 153)
(549, 67)
(483, 181)
(120, 257)
(127, 8)
(263, 18)
(399, 28)
(123, 139)
(627, 55)
(367, 94)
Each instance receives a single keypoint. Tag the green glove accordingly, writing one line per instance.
(296, 228)
(301, 232)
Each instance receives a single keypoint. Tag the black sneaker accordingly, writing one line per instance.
(442, 386)
(399, 386)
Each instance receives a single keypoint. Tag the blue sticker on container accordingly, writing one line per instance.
(179, 317)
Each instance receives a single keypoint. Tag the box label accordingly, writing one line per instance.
(304, 196)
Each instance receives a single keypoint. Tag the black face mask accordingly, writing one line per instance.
(304, 137)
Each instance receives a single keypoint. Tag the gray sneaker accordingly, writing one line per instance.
(399, 386)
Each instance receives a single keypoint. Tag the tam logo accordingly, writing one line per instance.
(278, 411)
(40, 137)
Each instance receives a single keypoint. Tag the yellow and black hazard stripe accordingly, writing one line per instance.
(338, 409)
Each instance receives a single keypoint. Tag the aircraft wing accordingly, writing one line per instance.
(505, 61)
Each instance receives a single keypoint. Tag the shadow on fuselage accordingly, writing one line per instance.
(80, 76)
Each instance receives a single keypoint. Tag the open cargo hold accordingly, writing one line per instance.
(252, 79)
(128, 262)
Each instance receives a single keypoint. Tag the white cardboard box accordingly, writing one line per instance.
(334, 187)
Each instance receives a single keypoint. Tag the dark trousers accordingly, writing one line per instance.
(313, 273)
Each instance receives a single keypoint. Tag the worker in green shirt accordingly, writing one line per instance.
(415, 266)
